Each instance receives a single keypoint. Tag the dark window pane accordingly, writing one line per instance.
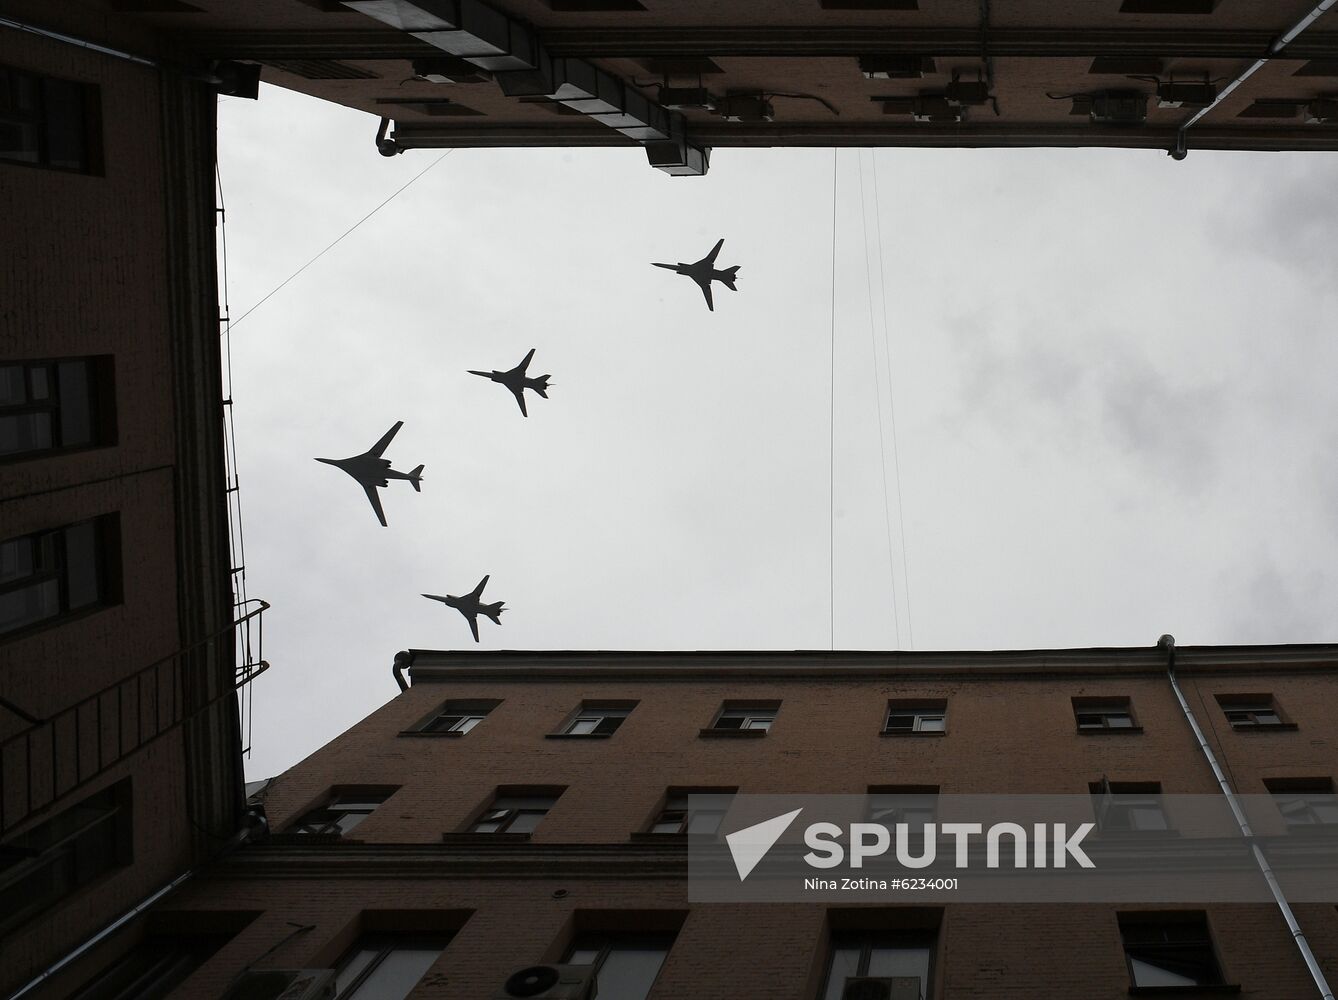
(353, 967)
(81, 565)
(16, 559)
(65, 128)
(525, 822)
(20, 432)
(845, 963)
(13, 388)
(29, 605)
(76, 411)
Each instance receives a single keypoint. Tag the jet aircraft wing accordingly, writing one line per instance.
(706, 290)
(381, 445)
(473, 625)
(375, 498)
(709, 259)
(520, 368)
(519, 392)
(478, 591)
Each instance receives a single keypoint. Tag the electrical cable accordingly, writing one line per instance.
(878, 402)
(342, 236)
(892, 405)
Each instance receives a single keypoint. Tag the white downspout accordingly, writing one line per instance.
(1167, 643)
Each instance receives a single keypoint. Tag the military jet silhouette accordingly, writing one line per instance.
(471, 608)
(372, 471)
(517, 381)
(703, 273)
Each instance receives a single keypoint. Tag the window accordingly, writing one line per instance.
(1102, 715)
(1252, 711)
(455, 718)
(57, 573)
(514, 813)
(878, 954)
(596, 719)
(625, 964)
(1128, 806)
(906, 718)
(40, 868)
(700, 818)
(742, 719)
(49, 123)
(1304, 802)
(153, 968)
(1169, 948)
(47, 407)
(344, 810)
(386, 966)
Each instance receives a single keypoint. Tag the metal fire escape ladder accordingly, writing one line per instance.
(490, 40)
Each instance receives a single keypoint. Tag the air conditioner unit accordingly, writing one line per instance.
(284, 984)
(550, 982)
(746, 108)
(1185, 95)
(1118, 107)
(935, 108)
(882, 988)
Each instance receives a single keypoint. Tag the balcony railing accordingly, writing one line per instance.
(55, 756)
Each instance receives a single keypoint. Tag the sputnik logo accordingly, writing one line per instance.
(750, 845)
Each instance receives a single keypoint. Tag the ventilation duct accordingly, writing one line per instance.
(487, 39)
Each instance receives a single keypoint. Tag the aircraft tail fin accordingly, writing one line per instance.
(493, 611)
(541, 385)
(416, 478)
(729, 275)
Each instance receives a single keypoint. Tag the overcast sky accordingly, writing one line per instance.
(1112, 376)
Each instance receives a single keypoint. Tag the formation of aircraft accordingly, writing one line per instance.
(374, 472)
(703, 272)
(517, 381)
(471, 607)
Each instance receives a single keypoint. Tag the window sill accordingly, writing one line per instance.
(912, 732)
(480, 839)
(1311, 830)
(1122, 730)
(430, 734)
(577, 736)
(1287, 727)
(1221, 989)
(733, 734)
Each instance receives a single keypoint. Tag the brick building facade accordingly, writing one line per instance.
(515, 808)
(120, 764)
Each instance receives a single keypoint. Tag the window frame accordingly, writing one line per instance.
(460, 709)
(386, 943)
(99, 399)
(1105, 708)
(609, 941)
(1166, 918)
(747, 713)
(1127, 797)
(512, 813)
(51, 547)
(1251, 706)
(919, 710)
(669, 805)
(71, 856)
(1305, 791)
(340, 793)
(927, 938)
(601, 713)
(41, 121)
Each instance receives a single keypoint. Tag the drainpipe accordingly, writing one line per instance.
(82, 43)
(253, 827)
(402, 659)
(1167, 643)
(1179, 151)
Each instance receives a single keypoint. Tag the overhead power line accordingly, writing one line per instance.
(346, 232)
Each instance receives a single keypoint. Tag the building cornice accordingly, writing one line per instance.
(428, 666)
